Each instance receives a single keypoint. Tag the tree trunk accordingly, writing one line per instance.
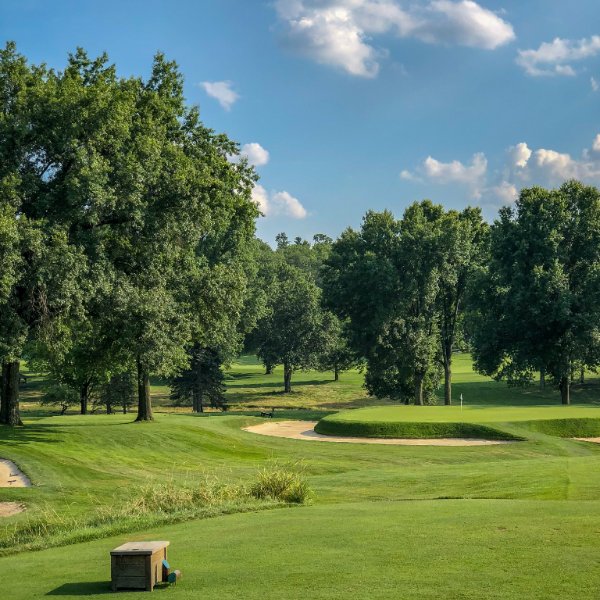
(447, 354)
(144, 403)
(84, 397)
(336, 373)
(10, 394)
(268, 369)
(543, 378)
(109, 408)
(124, 408)
(419, 389)
(287, 378)
(3, 402)
(582, 376)
(565, 389)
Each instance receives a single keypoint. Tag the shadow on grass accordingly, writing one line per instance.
(82, 588)
(279, 384)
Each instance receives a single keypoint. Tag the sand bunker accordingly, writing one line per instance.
(595, 440)
(11, 475)
(304, 430)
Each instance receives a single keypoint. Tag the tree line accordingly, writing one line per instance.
(128, 249)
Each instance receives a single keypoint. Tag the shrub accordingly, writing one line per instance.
(280, 484)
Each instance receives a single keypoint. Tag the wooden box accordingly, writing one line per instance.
(137, 565)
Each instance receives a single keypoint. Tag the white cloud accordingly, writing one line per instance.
(505, 192)
(257, 156)
(594, 83)
(471, 175)
(285, 204)
(523, 166)
(278, 203)
(222, 91)
(554, 58)
(340, 33)
(519, 155)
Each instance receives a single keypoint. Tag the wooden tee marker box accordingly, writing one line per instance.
(137, 565)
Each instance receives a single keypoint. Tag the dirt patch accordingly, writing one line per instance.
(8, 509)
(304, 430)
(595, 440)
(11, 475)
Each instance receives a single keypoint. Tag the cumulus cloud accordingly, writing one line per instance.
(554, 58)
(222, 91)
(505, 192)
(340, 33)
(278, 203)
(470, 175)
(519, 155)
(257, 156)
(594, 83)
(523, 166)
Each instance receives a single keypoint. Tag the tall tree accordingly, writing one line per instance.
(538, 306)
(290, 334)
(462, 246)
(385, 281)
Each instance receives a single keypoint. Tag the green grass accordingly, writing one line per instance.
(511, 521)
(454, 422)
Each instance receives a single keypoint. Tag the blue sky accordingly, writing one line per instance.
(346, 105)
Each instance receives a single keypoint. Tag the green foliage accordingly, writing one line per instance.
(202, 382)
(290, 334)
(118, 391)
(537, 306)
(61, 395)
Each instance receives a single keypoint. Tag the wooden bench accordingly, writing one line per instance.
(268, 415)
(138, 565)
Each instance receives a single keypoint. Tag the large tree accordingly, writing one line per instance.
(462, 251)
(385, 280)
(290, 333)
(538, 306)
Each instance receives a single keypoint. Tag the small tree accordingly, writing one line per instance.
(61, 395)
(337, 355)
(119, 390)
(202, 383)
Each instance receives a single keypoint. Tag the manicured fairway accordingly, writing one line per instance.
(427, 550)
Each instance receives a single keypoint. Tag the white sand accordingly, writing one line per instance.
(304, 430)
(596, 440)
(11, 476)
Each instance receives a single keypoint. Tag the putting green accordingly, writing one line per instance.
(468, 422)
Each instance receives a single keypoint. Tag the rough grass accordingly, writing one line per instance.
(157, 504)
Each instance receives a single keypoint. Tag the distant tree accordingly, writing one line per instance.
(290, 334)
(462, 247)
(282, 240)
(538, 302)
(60, 395)
(337, 355)
(202, 382)
(119, 391)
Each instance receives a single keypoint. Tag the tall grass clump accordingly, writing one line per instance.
(153, 505)
(280, 483)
